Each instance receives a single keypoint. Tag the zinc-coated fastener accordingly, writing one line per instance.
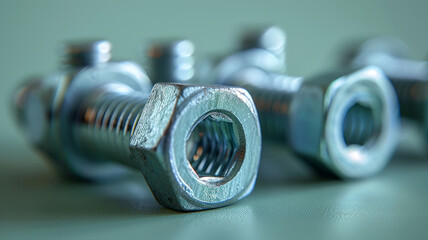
(344, 123)
(198, 147)
(409, 77)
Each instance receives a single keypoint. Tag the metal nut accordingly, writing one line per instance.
(408, 76)
(159, 145)
(344, 124)
(348, 125)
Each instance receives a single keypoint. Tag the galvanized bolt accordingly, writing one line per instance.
(272, 39)
(409, 77)
(171, 61)
(83, 54)
(198, 147)
(345, 124)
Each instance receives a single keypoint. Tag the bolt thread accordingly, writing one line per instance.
(358, 125)
(82, 54)
(412, 98)
(104, 125)
(213, 147)
(273, 107)
(171, 61)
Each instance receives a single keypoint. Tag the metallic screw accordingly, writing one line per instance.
(40, 108)
(409, 77)
(171, 61)
(82, 54)
(271, 39)
(190, 142)
(345, 124)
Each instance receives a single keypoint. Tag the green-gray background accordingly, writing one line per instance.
(35, 203)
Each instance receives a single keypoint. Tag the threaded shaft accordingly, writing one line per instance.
(104, 125)
(82, 54)
(412, 98)
(172, 61)
(273, 107)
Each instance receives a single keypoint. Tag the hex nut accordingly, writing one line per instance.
(318, 114)
(159, 142)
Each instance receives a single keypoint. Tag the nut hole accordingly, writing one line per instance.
(216, 146)
(361, 125)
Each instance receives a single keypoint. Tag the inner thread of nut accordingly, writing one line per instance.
(360, 125)
(213, 148)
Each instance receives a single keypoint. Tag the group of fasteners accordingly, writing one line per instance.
(197, 145)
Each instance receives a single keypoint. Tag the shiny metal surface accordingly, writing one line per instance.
(408, 76)
(104, 119)
(47, 108)
(389, 54)
(171, 61)
(272, 39)
(89, 53)
(166, 124)
(345, 124)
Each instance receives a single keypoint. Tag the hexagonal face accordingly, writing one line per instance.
(352, 129)
(165, 144)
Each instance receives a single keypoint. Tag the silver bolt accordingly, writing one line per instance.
(89, 53)
(272, 39)
(409, 77)
(190, 142)
(345, 124)
(171, 61)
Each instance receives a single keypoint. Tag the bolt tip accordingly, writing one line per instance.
(86, 53)
(271, 38)
(176, 48)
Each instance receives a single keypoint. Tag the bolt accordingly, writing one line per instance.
(409, 77)
(344, 124)
(189, 141)
(171, 61)
(272, 39)
(89, 53)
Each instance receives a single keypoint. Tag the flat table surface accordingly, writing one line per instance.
(288, 201)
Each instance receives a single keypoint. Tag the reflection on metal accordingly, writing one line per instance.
(409, 77)
(95, 117)
(171, 61)
(342, 123)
